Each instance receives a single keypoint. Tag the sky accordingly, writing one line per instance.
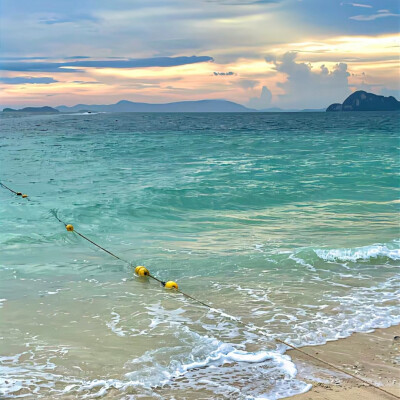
(259, 53)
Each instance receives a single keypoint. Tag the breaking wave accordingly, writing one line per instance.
(363, 253)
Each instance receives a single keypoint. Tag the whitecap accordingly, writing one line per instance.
(363, 253)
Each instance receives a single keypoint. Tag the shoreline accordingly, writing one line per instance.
(374, 357)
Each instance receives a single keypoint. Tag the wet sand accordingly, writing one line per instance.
(374, 357)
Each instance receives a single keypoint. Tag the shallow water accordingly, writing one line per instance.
(286, 221)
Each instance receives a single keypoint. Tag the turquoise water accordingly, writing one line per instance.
(287, 221)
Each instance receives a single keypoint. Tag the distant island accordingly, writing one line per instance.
(45, 109)
(364, 101)
(180, 106)
(357, 101)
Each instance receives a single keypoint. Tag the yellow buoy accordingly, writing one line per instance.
(171, 285)
(137, 269)
(142, 271)
(24, 196)
(69, 227)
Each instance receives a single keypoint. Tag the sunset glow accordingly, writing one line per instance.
(238, 49)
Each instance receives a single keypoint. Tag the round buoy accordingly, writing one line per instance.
(69, 227)
(143, 271)
(19, 194)
(24, 196)
(171, 285)
(137, 269)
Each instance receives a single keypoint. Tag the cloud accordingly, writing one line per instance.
(52, 20)
(230, 73)
(141, 28)
(357, 5)
(242, 2)
(237, 33)
(87, 82)
(36, 67)
(75, 66)
(247, 83)
(308, 88)
(141, 62)
(25, 58)
(261, 102)
(26, 79)
(270, 58)
(372, 17)
(77, 58)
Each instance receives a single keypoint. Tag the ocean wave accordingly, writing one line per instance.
(273, 374)
(363, 253)
(361, 309)
(199, 361)
(26, 373)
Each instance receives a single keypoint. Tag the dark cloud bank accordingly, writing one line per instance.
(75, 66)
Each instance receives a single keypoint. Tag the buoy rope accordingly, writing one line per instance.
(91, 241)
(104, 249)
(6, 187)
(249, 326)
(194, 299)
(25, 196)
(337, 368)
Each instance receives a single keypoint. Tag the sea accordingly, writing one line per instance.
(286, 225)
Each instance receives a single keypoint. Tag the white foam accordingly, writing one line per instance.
(115, 320)
(362, 309)
(51, 292)
(302, 262)
(364, 253)
(223, 314)
(28, 375)
(227, 353)
(160, 316)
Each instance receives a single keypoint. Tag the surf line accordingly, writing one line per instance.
(144, 272)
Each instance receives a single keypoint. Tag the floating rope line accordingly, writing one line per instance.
(70, 228)
(25, 196)
(144, 272)
(338, 369)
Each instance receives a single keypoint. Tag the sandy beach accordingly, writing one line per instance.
(375, 357)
